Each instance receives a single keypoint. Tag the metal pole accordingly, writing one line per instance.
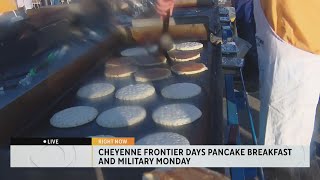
(253, 132)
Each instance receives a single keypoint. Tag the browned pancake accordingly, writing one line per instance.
(189, 68)
(184, 174)
(150, 60)
(119, 71)
(152, 74)
(119, 61)
(177, 55)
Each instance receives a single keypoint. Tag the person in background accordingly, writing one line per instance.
(55, 2)
(26, 4)
(36, 4)
(7, 5)
(288, 47)
(9, 13)
(246, 29)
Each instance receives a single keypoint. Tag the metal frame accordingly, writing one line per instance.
(233, 134)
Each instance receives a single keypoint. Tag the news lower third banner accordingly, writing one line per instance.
(122, 152)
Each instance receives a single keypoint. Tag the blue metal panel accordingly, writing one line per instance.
(231, 101)
(250, 173)
(237, 174)
(240, 100)
(233, 122)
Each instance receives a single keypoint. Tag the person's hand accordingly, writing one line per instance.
(163, 6)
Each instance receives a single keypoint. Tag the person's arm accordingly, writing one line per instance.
(163, 6)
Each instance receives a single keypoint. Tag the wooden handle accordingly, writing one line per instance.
(146, 22)
(177, 32)
(192, 3)
(166, 22)
(151, 22)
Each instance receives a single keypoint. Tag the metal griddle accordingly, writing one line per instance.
(197, 132)
(206, 130)
(203, 131)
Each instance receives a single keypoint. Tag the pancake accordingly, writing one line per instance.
(152, 74)
(183, 56)
(150, 60)
(152, 48)
(120, 71)
(121, 116)
(95, 90)
(138, 51)
(119, 61)
(181, 91)
(188, 68)
(176, 114)
(187, 46)
(73, 117)
(163, 138)
(135, 92)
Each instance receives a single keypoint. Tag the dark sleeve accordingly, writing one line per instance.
(244, 11)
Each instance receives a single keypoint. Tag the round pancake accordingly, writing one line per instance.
(138, 51)
(150, 60)
(135, 92)
(183, 56)
(189, 68)
(119, 61)
(95, 90)
(121, 116)
(163, 138)
(181, 91)
(187, 46)
(73, 117)
(119, 71)
(153, 48)
(152, 74)
(176, 114)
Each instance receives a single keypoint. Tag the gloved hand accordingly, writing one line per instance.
(163, 6)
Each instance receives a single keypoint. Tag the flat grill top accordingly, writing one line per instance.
(197, 132)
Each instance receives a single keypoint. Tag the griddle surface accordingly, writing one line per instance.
(197, 132)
